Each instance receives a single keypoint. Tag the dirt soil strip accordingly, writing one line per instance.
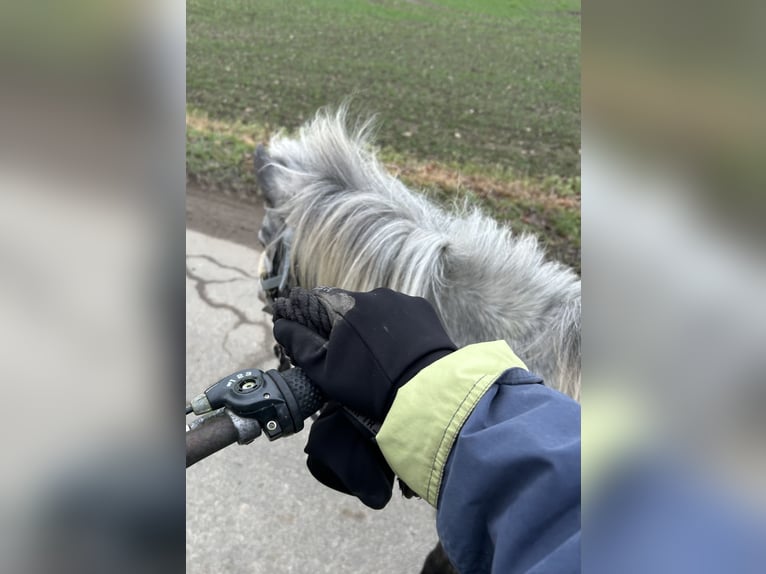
(229, 218)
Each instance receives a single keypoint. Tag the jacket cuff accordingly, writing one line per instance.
(429, 411)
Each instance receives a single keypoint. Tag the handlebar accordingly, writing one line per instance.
(241, 406)
(216, 432)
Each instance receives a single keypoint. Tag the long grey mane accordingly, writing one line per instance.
(357, 227)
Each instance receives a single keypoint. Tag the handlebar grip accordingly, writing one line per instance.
(308, 396)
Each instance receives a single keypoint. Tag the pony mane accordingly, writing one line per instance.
(356, 227)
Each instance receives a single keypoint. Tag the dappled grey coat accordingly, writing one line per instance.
(353, 225)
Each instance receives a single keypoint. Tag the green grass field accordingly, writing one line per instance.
(475, 98)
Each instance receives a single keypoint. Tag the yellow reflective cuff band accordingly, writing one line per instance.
(616, 424)
(429, 411)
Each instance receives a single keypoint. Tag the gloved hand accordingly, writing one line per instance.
(359, 348)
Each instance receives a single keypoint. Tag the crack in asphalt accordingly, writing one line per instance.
(201, 284)
(215, 261)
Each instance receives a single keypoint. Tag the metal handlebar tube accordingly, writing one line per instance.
(219, 429)
(210, 434)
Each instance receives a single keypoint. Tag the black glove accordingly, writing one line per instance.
(359, 348)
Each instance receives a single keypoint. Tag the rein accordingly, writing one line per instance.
(275, 284)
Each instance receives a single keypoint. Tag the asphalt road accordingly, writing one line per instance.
(255, 508)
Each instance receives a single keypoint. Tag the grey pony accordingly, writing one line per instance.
(351, 224)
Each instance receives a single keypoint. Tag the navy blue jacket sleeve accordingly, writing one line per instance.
(510, 496)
